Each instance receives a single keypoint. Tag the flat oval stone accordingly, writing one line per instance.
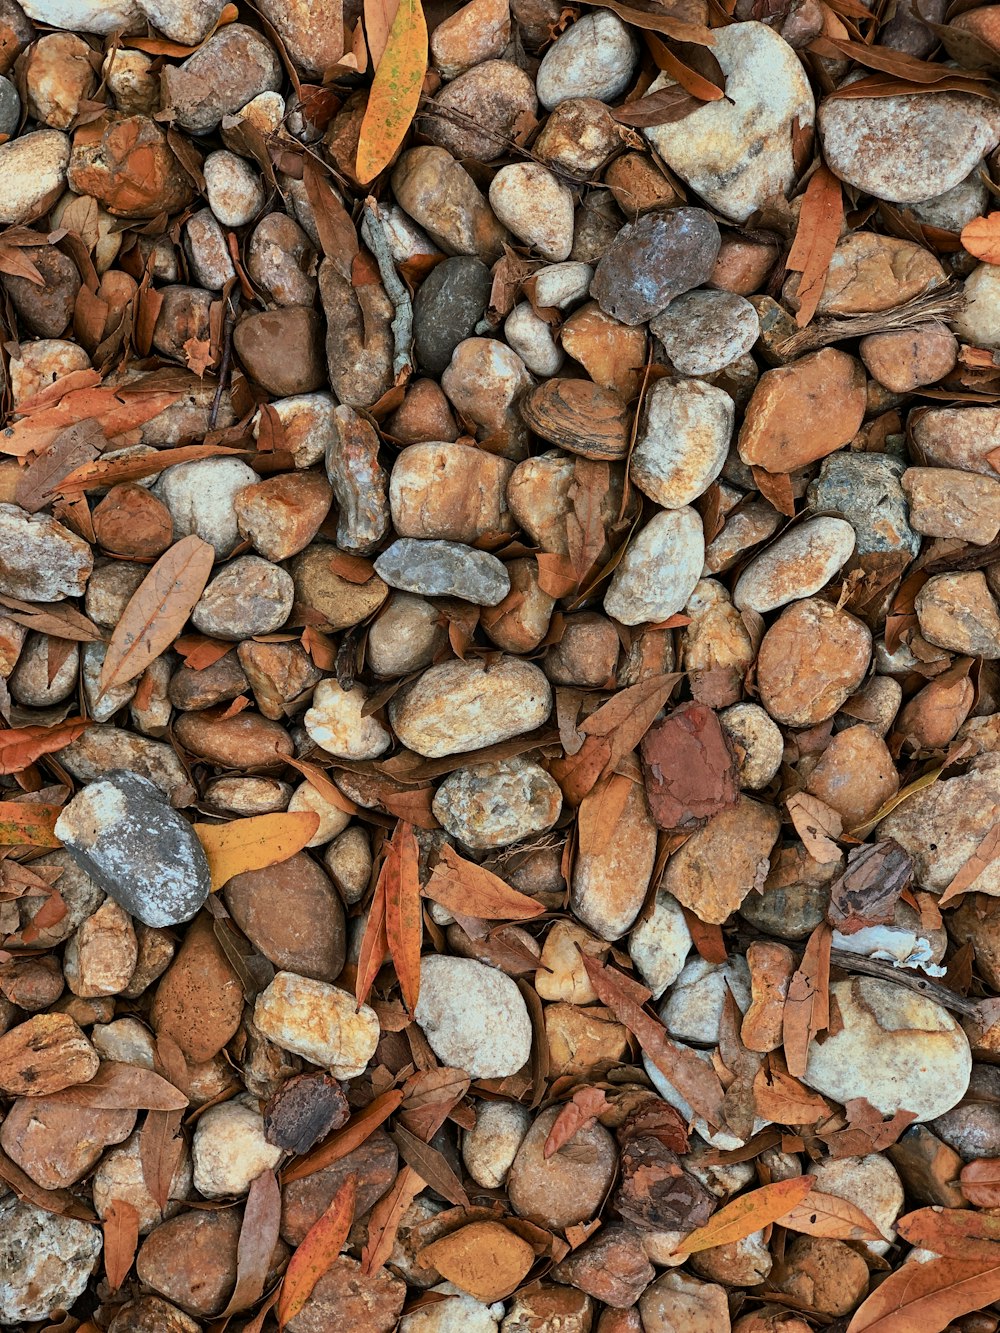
(459, 706)
(659, 569)
(444, 569)
(292, 914)
(803, 411)
(473, 1016)
(797, 565)
(961, 437)
(739, 151)
(684, 440)
(899, 1050)
(492, 805)
(662, 255)
(907, 148)
(703, 332)
(594, 58)
(560, 1191)
(536, 206)
(579, 416)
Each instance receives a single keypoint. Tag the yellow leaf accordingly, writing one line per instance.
(747, 1214)
(317, 1252)
(253, 844)
(395, 91)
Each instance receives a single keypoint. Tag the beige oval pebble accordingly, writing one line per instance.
(797, 565)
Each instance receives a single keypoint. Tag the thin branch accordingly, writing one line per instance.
(373, 235)
(941, 304)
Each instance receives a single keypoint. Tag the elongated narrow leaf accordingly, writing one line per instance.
(121, 1236)
(254, 843)
(258, 1237)
(157, 610)
(374, 942)
(582, 1110)
(463, 887)
(385, 1217)
(317, 1252)
(816, 237)
(807, 1006)
(395, 91)
(160, 1150)
(821, 1214)
(359, 1128)
(747, 1214)
(403, 919)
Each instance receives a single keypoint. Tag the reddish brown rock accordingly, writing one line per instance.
(55, 1142)
(612, 1267)
(304, 1201)
(199, 1001)
(690, 768)
(126, 164)
(244, 741)
(281, 515)
(345, 1297)
(810, 661)
(803, 411)
(293, 915)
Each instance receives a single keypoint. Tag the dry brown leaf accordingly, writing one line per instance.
(580, 1111)
(385, 1217)
(747, 1213)
(27, 824)
(678, 29)
(470, 890)
(821, 1214)
(160, 1150)
(956, 1232)
(21, 746)
(374, 942)
(117, 1086)
(254, 843)
(258, 1237)
(430, 1165)
(121, 1236)
(403, 917)
(981, 237)
(817, 825)
(925, 1298)
(816, 236)
(980, 1182)
(784, 1100)
(866, 1130)
(807, 1005)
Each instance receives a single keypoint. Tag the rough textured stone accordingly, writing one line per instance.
(659, 570)
(46, 1261)
(199, 1001)
(459, 706)
(865, 489)
(798, 564)
(473, 1016)
(443, 569)
(661, 255)
(492, 805)
(682, 445)
(803, 411)
(594, 58)
(810, 661)
(320, 1022)
(719, 864)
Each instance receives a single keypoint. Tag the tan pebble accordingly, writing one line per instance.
(811, 659)
(802, 412)
(720, 863)
(855, 775)
(826, 1275)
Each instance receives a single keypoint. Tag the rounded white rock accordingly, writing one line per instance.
(682, 446)
(229, 1149)
(473, 1016)
(536, 206)
(596, 58)
(334, 722)
(489, 1148)
(797, 565)
(660, 943)
(233, 187)
(659, 569)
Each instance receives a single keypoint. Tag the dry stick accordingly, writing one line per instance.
(943, 303)
(874, 967)
(373, 235)
(227, 351)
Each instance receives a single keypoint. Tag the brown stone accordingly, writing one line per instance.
(720, 863)
(282, 350)
(957, 612)
(191, 690)
(690, 768)
(586, 654)
(149, 1314)
(612, 1267)
(477, 115)
(293, 915)
(57, 1143)
(542, 1308)
(191, 1260)
(803, 411)
(933, 716)
(811, 660)
(928, 1168)
(278, 673)
(244, 741)
(440, 195)
(31, 983)
(739, 1263)
(45, 310)
(869, 273)
(338, 600)
(424, 414)
(484, 1258)
(581, 1041)
(451, 492)
(44, 1055)
(126, 164)
(281, 515)
(345, 1297)
(199, 1001)
(825, 1275)
(520, 622)
(304, 1201)
(229, 69)
(771, 967)
(638, 184)
(613, 354)
(742, 266)
(566, 1188)
(855, 775)
(184, 321)
(359, 341)
(905, 359)
(130, 521)
(947, 502)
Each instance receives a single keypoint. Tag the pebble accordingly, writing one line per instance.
(279, 674)
(281, 515)
(907, 359)
(825, 1275)
(479, 30)
(855, 775)
(103, 164)
(952, 209)
(871, 273)
(610, 880)
(30, 683)
(737, 153)
(678, 1301)
(234, 65)
(201, 497)
(44, 1054)
(185, 21)
(907, 148)
(612, 353)
(332, 819)
(611, 1266)
(977, 323)
(33, 167)
(101, 955)
(752, 523)
(441, 196)
(804, 411)
(872, 1184)
(453, 492)
(292, 914)
(103, 748)
(449, 304)
(339, 602)
(456, 1313)
(957, 612)
(375, 1166)
(493, 805)
(44, 310)
(209, 261)
(334, 722)
(10, 107)
(662, 255)
(199, 1001)
(310, 39)
(694, 1009)
(127, 838)
(578, 137)
(55, 1143)
(483, 380)
(716, 647)
(46, 1261)
(796, 894)
(549, 1309)
(811, 661)
(562, 285)
(476, 115)
(43, 561)
(307, 420)
(250, 596)
(233, 188)
(191, 1260)
(720, 863)
(282, 261)
(444, 569)
(564, 1189)
(531, 338)
(898, 1049)
(539, 496)
(798, 564)
(596, 57)
(561, 974)
(348, 860)
(587, 653)
(704, 331)
(406, 637)
(119, 1176)
(282, 350)
(184, 315)
(683, 442)
(229, 1149)
(941, 826)
(343, 1292)
(933, 715)
(945, 502)
(489, 1148)
(467, 705)
(865, 489)
(957, 437)
(318, 1021)
(659, 943)
(473, 1017)
(928, 1168)
(659, 570)
(973, 1130)
(536, 206)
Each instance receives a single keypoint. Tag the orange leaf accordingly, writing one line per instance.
(157, 610)
(23, 745)
(404, 922)
(981, 237)
(747, 1214)
(345, 1140)
(807, 1005)
(817, 825)
(385, 1217)
(821, 1214)
(374, 943)
(584, 1108)
(958, 1232)
(317, 1252)
(395, 91)
(816, 237)
(925, 1298)
(28, 824)
(121, 1236)
(327, 788)
(470, 890)
(255, 843)
(783, 1099)
(980, 1182)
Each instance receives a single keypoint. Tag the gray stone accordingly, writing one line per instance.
(659, 570)
(10, 106)
(866, 490)
(250, 596)
(233, 66)
(45, 1261)
(444, 569)
(953, 208)
(103, 748)
(973, 1128)
(447, 308)
(42, 560)
(665, 253)
(146, 856)
(493, 805)
(594, 58)
(473, 1017)
(703, 332)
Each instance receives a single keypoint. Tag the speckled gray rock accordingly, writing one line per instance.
(10, 106)
(186, 21)
(231, 68)
(694, 1008)
(45, 1261)
(866, 490)
(459, 706)
(682, 445)
(444, 569)
(42, 560)
(492, 805)
(127, 838)
(663, 254)
(738, 152)
(952, 209)
(660, 943)
(447, 308)
(659, 570)
(359, 482)
(250, 596)
(594, 58)
(473, 1016)
(907, 148)
(797, 565)
(703, 332)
